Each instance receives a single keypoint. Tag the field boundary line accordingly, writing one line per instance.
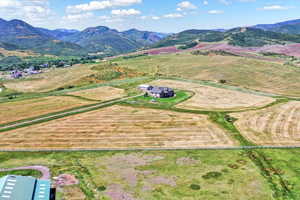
(63, 114)
(153, 149)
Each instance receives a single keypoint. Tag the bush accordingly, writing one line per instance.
(210, 175)
(222, 81)
(195, 187)
(102, 188)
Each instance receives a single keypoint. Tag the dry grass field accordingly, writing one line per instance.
(243, 72)
(51, 79)
(277, 125)
(119, 127)
(17, 53)
(13, 111)
(100, 93)
(211, 98)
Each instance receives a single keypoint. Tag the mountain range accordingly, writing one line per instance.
(19, 35)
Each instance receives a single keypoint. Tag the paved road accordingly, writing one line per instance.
(46, 175)
(16, 125)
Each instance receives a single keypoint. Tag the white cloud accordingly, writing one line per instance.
(156, 18)
(215, 12)
(78, 17)
(32, 11)
(205, 3)
(186, 5)
(100, 5)
(125, 12)
(9, 3)
(226, 2)
(275, 7)
(173, 15)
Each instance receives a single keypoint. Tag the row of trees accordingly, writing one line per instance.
(16, 63)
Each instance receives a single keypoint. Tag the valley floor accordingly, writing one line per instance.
(114, 115)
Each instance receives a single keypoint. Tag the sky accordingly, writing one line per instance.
(168, 16)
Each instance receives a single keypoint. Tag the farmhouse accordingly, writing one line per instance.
(157, 92)
(25, 187)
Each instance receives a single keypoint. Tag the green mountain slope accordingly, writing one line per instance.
(247, 37)
(105, 40)
(16, 34)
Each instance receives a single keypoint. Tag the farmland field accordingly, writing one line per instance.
(50, 80)
(211, 98)
(277, 125)
(18, 110)
(120, 127)
(101, 93)
(147, 175)
(238, 71)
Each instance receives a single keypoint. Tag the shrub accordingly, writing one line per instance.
(210, 175)
(195, 187)
(102, 188)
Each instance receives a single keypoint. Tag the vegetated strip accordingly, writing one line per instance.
(276, 181)
(62, 114)
(238, 148)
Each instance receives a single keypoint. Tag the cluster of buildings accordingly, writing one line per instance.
(25, 188)
(15, 74)
(157, 92)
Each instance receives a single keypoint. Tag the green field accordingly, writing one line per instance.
(155, 174)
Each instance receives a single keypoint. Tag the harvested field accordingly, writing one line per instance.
(238, 71)
(163, 50)
(211, 98)
(50, 80)
(17, 53)
(18, 110)
(120, 127)
(278, 125)
(100, 93)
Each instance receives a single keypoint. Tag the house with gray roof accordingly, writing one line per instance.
(157, 92)
(25, 188)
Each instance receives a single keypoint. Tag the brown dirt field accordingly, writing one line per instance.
(120, 127)
(14, 111)
(100, 93)
(277, 125)
(211, 98)
(50, 80)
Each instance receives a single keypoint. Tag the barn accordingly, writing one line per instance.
(25, 187)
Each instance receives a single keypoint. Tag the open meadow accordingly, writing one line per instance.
(120, 127)
(51, 79)
(238, 71)
(18, 110)
(277, 125)
(149, 175)
(100, 94)
(212, 98)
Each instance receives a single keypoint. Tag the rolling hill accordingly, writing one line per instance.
(289, 27)
(246, 37)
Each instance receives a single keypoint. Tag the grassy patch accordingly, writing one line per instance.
(32, 173)
(163, 102)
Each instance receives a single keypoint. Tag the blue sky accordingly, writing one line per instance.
(154, 15)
